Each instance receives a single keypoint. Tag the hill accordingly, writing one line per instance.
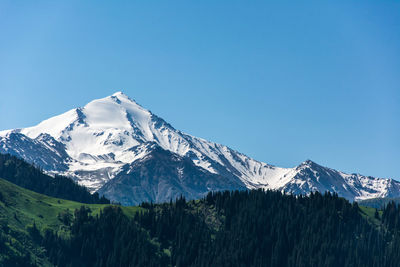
(20, 210)
(21, 173)
(240, 228)
(237, 228)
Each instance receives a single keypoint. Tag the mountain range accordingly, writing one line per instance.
(123, 151)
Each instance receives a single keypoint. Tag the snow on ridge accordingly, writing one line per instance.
(53, 126)
(109, 132)
(4, 133)
(116, 123)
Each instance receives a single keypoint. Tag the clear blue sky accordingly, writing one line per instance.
(281, 81)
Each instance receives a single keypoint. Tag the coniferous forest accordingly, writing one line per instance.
(199, 133)
(246, 228)
(231, 228)
(21, 173)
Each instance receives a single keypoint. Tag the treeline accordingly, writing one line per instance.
(23, 174)
(246, 228)
(110, 239)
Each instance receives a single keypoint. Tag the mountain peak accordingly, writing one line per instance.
(94, 142)
(120, 97)
(119, 93)
(307, 163)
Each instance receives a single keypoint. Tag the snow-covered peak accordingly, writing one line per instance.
(121, 96)
(307, 162)
(102, 134)
(116, 111)
(119, 93)
(108, 125)
(94, 142)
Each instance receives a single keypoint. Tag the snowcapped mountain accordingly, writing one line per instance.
(105, 145)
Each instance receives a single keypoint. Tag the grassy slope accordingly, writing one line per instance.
(21, 208)
(369, 214)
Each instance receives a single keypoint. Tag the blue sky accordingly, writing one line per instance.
(281, 81)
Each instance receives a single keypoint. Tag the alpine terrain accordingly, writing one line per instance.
(119, 149)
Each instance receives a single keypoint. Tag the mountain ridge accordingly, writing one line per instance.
(93, 144)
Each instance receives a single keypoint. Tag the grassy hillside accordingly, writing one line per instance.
(369, 214)
(21, 208)
(240, 228)
(23, 174)
(226, 228)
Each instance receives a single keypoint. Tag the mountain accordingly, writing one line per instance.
(161, 176)
(116, 138)
(309, 176)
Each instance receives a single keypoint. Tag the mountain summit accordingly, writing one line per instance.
(115, 146)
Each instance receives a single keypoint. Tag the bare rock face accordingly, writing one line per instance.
(161, 176)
